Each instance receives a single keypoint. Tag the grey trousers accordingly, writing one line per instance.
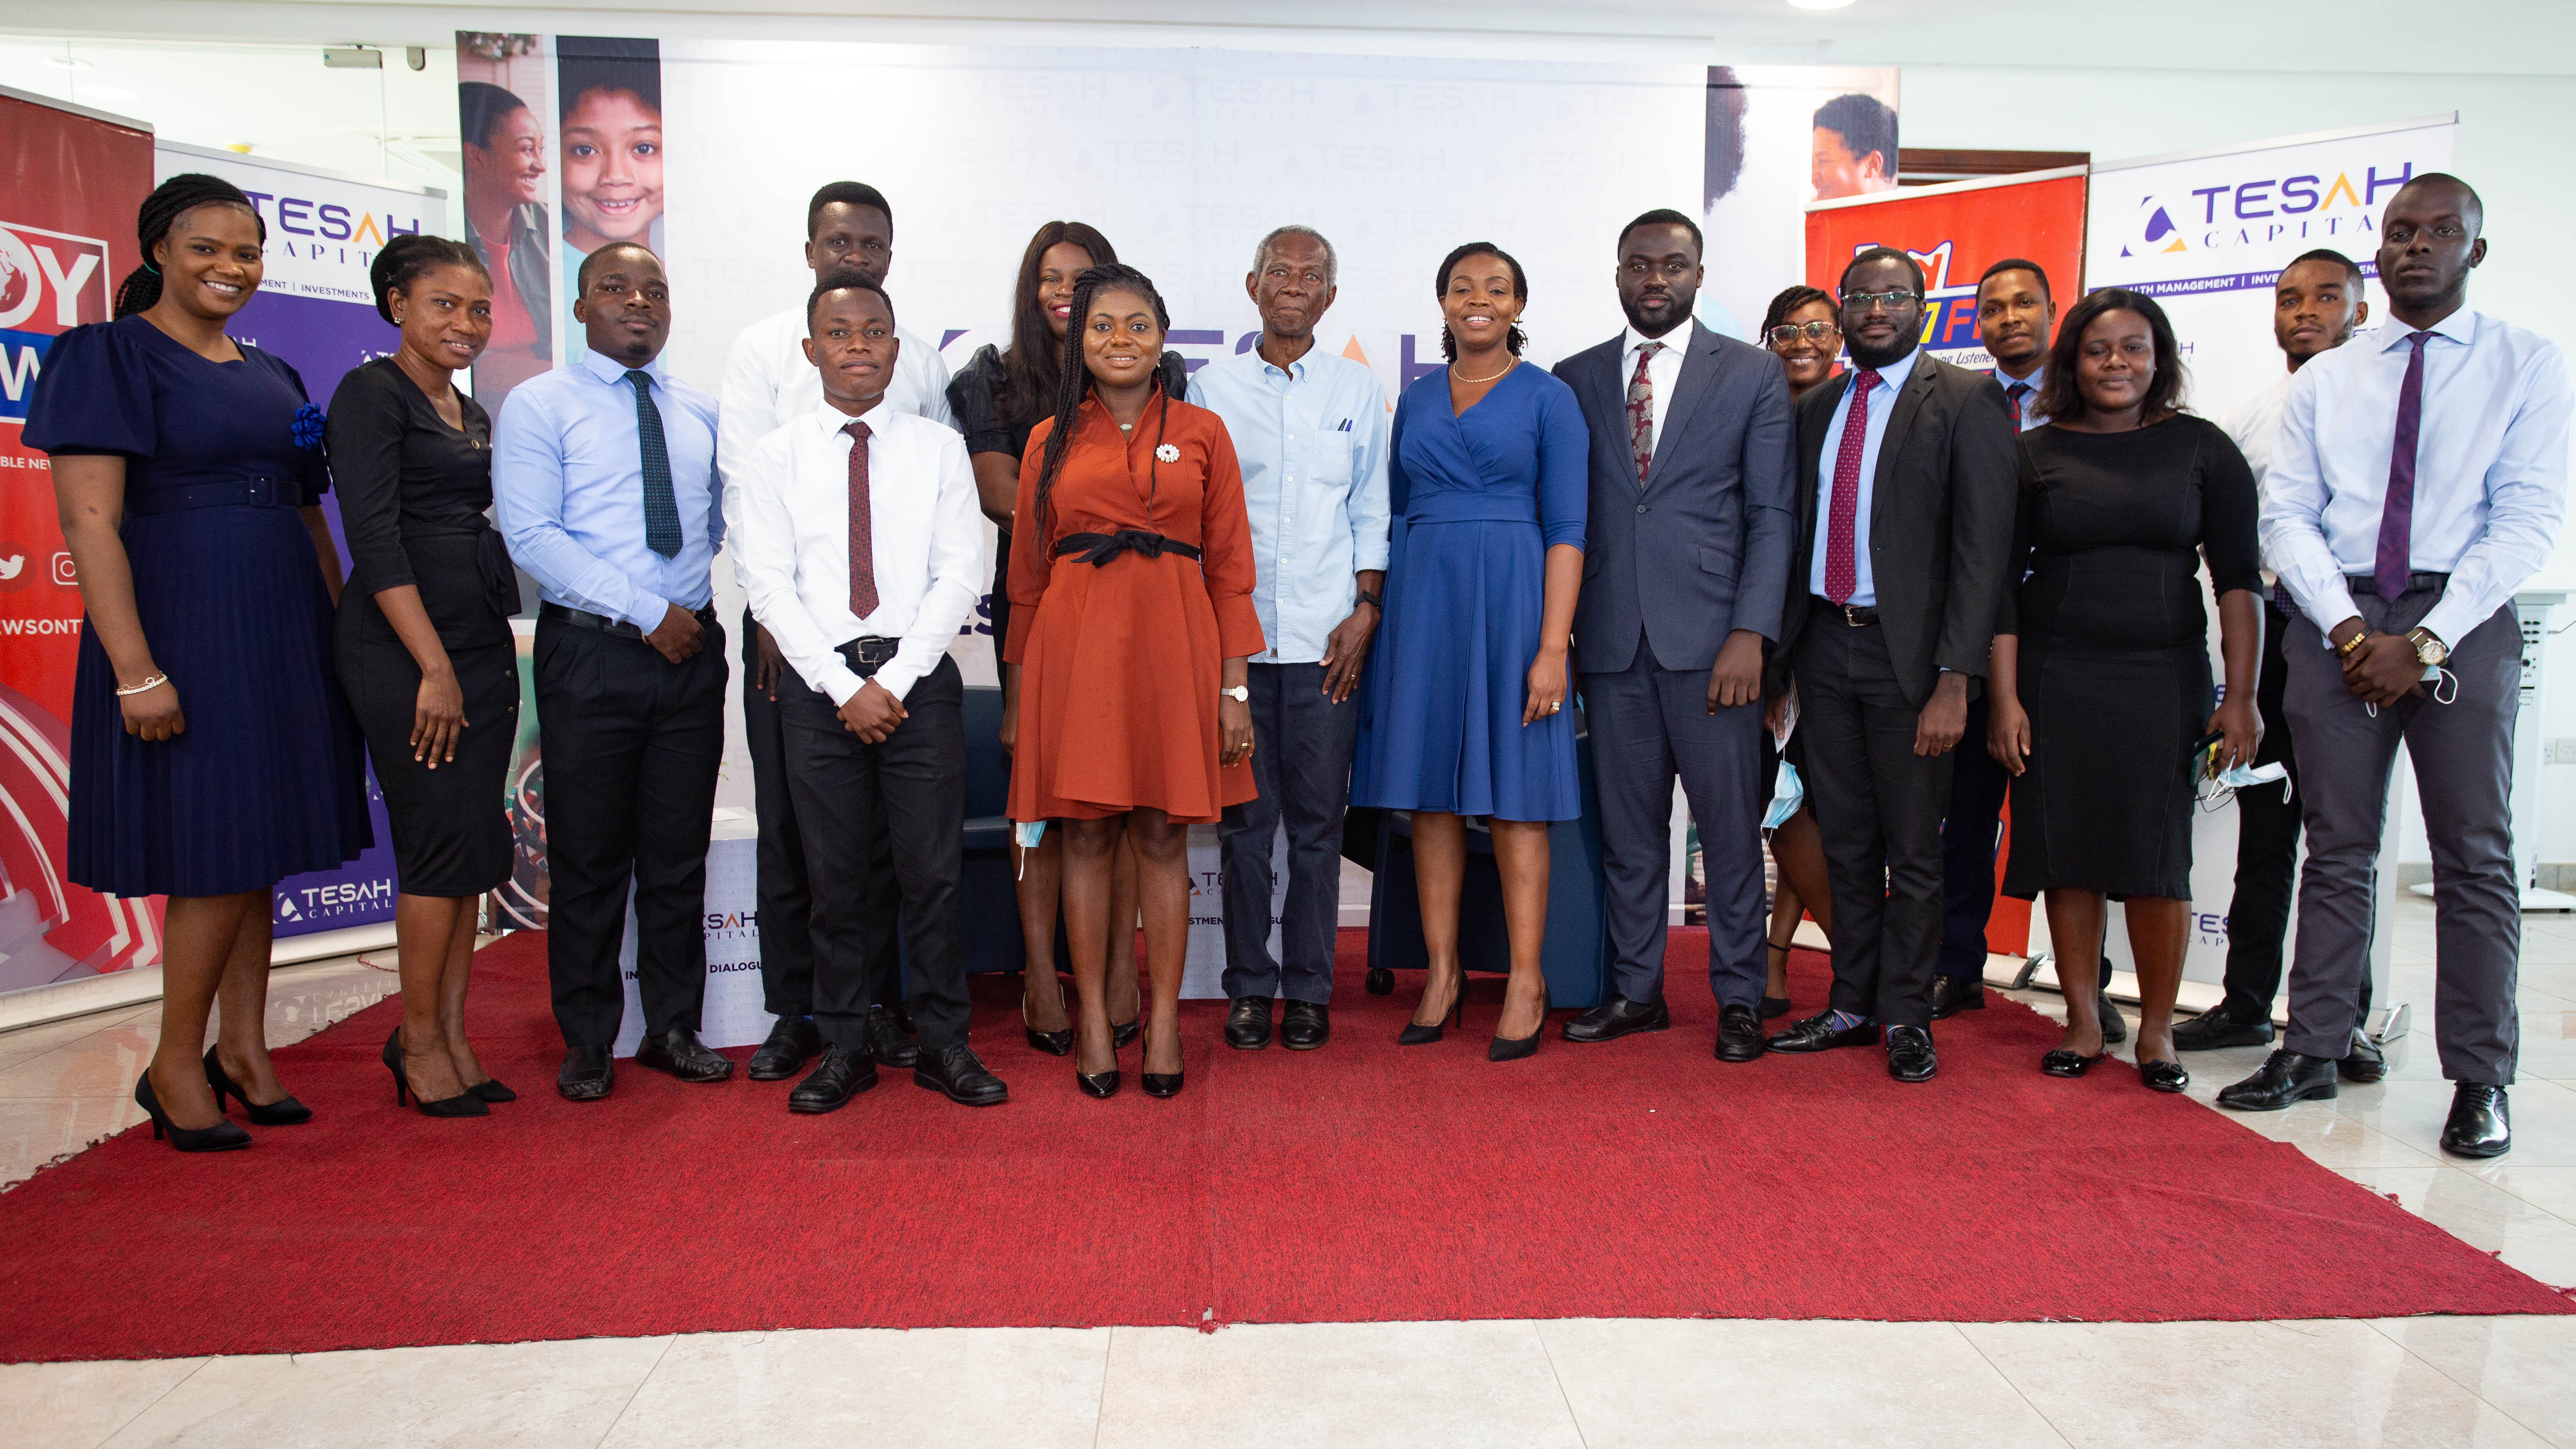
(1301, 762)
(1648, 725)
(2463, 754)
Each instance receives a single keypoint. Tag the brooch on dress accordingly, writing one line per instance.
(1167, 452)
(307, 428)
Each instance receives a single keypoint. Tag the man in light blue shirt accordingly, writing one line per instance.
(604, 480)
(1310, 431)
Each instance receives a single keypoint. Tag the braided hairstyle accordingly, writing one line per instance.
(1515, 339)
(169, 201)
(1074, 382)
(406, 259)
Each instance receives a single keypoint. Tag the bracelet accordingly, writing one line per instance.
(2359, 638)
(1372, 600)
(147, 686)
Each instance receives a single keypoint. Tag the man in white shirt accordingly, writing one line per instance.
(2316, 304)
(862, 549)
(2419, 478)
(849, 236)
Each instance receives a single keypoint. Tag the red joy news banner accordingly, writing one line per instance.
(66, 220)
(1956, 232)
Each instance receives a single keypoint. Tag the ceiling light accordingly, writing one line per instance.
(65, 62)
(353, 57)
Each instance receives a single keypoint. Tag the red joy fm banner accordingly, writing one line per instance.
(1956, 232)
(74, 181)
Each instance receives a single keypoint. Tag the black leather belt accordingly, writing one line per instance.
(868, 654)
(1857, 616)
(229, 492)
(2367, 584)
(583, 619)
(1097, 549)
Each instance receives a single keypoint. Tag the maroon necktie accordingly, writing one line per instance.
(863, 552)
(1641, 411)
(2012, 402)
(1841, 577)
(2397, 515)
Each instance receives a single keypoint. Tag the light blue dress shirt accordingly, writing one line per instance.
(568, 490)
(1882, 403)
(1312, 442)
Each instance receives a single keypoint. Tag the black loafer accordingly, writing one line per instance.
(1817, 1034)
(1739, 1035)
(1247, 1023)
(2481, 1123)
(1954, 994)
(586, 1074)
(2163, 1076)
(2220, 1027)
(1305, 1025)
(680, 1053)
(889, 1042)
(2115, 1027)
(1617, 1017)
(959, 1073)
(1910, 1057)
(2069, 1064)
(843, 1073)
(2365, 1063)
(2285, 1077)
(792, 1041)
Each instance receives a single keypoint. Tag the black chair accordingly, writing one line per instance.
(987, 885)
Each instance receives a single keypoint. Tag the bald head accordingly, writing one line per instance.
(2430, 239)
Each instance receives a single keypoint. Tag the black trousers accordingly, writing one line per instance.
(1878, 807)
(1968, 835)
(852, 798)
(788, 919)
(631, 744)
(1301, 762)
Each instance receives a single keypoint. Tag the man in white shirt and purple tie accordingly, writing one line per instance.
(2419, 477)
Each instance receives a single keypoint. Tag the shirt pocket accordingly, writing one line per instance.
(1329, 456)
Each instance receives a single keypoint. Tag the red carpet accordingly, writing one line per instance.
(1362, 1181)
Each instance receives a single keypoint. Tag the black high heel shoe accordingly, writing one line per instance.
(1414, 1035)
(1776, 1006)
(491, 1090)
(284, 1112)
(222, 1137)
(1053, 1043)
(1161, 1084)
(1123, 1033)
(1505, 1049)
(463, 1104)
(1103, 1085)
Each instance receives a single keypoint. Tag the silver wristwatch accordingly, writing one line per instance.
(1240, 694)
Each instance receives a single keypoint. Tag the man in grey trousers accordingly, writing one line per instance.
(1685, 570)
(2418, 479)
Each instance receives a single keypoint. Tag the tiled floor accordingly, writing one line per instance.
(2400, 1383)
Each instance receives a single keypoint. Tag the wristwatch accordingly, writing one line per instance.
(2428, 646)
(1240, 694)
(1372, 600)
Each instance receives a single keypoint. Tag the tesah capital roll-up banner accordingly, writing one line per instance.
(1955, 233)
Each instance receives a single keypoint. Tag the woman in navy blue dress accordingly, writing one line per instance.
(212, 754)
(1468, 682)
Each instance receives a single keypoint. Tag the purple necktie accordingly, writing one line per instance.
(2397, 516)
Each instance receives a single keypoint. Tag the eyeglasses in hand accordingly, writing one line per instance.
(1788, 332)
(1866, 300)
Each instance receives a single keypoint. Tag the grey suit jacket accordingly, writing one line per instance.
(1940, 523)
(1702, 547)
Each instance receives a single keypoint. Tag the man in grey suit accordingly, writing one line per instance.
(1684, 570)
(1906, 493)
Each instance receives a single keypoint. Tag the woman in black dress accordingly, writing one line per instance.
(2100, 677)
(424, 644)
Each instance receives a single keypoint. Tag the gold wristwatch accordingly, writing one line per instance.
(2428, 646)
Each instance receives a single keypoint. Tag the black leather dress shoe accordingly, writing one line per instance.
(792, 1040)
(843, 1073)
(586, 1074)
(2365, 1063)
(1247, 1023)
(1305, 1025)
(1617, 1017)
(1817, 1034)
(1954, 994)
(2285, 1077)
(959, 1073)
(679, 1052)
(2222, 1026)
(2115, 1027)
(2481, 1123)
(890, 1041)
(1739, 1035)
(1910, 1057)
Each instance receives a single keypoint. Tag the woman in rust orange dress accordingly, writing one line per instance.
(1131, 619)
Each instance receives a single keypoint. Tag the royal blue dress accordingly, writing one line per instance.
(268, 780)
(1479, 498)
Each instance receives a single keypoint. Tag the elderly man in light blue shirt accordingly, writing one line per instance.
(604, 473)
(1310, 430)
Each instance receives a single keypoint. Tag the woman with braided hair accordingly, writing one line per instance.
(1131, 620)
(211, 752)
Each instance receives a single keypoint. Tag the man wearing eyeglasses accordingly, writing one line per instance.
(1906, 476)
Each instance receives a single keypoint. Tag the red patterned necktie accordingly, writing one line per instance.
(2012, 402)
(1641, 411)
(863, 552)
(1841, 577)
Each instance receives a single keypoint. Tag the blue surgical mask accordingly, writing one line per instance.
(1785, 797)
(2247, 777)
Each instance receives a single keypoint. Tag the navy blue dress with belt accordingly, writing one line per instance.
(1479, 497)
(268, 779)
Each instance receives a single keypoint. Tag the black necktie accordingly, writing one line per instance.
(661, 509)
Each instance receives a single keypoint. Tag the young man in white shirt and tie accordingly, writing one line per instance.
(2418, 479)
(863, 552)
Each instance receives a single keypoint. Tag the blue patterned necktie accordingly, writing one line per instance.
(661, 509)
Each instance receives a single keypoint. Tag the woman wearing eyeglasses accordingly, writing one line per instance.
(1802, 329)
